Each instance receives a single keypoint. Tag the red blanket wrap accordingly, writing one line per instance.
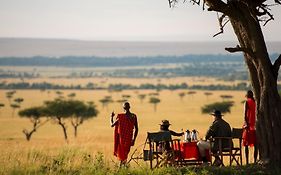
(249, 134)
(123, 135)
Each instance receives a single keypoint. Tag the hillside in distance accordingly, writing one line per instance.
(24, 47)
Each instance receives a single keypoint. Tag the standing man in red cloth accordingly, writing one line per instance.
(249, 132)
(125, 133)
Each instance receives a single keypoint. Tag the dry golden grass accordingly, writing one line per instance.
(96, 134)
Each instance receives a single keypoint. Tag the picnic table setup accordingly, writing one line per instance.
(160, 149)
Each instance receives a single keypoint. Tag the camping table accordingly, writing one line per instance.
(189, 150)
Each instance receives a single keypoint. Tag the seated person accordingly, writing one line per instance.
(219, 128)
(164, 126)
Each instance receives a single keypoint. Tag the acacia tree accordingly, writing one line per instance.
(9, 95)
(246, 18)
(71, 95)
(35, 115)
(2, 105)
(141, 97)
(225, 97)
(224, 107)
(59, 111)
(208, 94)
(81, 112)
(105, 101)
(154, 101)
(14, 106)
(19, 101)
(181, 95)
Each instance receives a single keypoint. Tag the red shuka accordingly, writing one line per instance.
(123, 135)
(249, 134)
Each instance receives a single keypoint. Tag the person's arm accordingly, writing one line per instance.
(136, 131)
(173, 133)
(211, 131)
(112, 122)
(245, 115)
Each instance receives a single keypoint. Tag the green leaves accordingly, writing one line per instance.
(33, 112)
(224, 107)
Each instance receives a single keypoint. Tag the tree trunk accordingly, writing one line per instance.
(155, 107)
(28, 134)
(263, 80)
(75, 130)
(63, 128)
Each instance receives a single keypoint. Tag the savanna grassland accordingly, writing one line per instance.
(95, 135)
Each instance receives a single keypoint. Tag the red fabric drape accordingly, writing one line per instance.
(249, 134)
(123, 135)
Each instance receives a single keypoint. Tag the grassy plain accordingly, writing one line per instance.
(95, 135)
(104, 82)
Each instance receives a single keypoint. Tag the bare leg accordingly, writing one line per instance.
(123, 163)
(255, 153)
(247, 154)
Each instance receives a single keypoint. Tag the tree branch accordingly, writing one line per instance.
(221, 23)
(216, 5)
(240, 49)
(277, 2)
(276, 66)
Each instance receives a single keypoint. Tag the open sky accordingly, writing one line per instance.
(125, 20)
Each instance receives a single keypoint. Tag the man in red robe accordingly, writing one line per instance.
(125, 133)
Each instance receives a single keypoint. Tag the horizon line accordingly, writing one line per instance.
(106, 40)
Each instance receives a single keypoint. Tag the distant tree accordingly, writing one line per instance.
(2, 105)
(90, 102)
(154, 101)
(125, 96)
(224, 107)
(226, 97)
(208, 94)
(42, 90)
(59, 94)
(71, 95)
(9, 95)
(35, 115)
(19, 101)
(121, 101)
(181, 95)
(153, 94)
(81, 112)
(105, 101)
(141, 97)
(14, 107)
(90, 85)
(191, 93)
(59, 111)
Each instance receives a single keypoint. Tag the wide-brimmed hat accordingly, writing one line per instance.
(216, 113)
(165, 123)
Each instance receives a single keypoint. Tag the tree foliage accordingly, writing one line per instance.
(224, 107)
(81, 112)
(154, 101)
(35, 115)
(141, 97)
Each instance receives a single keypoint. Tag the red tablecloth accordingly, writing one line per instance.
(189, 150)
